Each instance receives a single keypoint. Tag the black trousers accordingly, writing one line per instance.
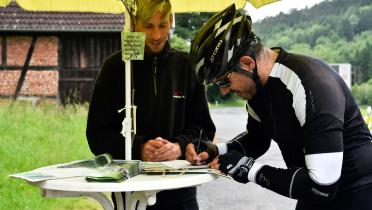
(359, 200)
(179, 199)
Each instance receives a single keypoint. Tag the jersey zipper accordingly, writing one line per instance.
(154, 68)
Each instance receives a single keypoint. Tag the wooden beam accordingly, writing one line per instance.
(3, 56)
(25, 68)
(35, 68)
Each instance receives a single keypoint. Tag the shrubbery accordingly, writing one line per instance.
(180, 43)
(363, 93)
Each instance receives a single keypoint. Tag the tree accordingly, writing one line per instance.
(187, 24)
(337, 31)
(363, 60)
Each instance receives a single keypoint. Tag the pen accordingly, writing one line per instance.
(199, 139)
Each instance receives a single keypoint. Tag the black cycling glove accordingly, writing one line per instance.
(236, 165)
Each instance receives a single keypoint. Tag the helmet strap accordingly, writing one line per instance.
(254, 75)
(256, 78)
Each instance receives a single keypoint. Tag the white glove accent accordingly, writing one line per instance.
(252, 173)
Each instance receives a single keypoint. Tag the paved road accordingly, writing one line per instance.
(226, 194)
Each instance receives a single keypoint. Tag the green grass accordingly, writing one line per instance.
(32, 137)
(363, 110)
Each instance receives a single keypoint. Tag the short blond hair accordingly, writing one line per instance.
(147, 8)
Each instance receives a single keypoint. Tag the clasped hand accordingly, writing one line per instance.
(160, 149)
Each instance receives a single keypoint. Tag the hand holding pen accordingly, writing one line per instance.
(200, 152)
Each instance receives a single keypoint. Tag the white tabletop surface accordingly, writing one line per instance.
(138, 183)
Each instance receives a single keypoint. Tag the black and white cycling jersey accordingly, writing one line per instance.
(307, 109)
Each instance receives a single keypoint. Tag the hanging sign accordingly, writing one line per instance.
(132, 45)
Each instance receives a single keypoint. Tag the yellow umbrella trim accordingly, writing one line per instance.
(116, 6)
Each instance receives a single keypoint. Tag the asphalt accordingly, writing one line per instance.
(223, 193)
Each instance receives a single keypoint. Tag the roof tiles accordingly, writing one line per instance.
(14, 18)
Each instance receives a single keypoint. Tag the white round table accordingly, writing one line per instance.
(143, 188)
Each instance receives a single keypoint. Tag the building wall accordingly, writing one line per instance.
(42, 76)
(8, 82)
(40, 83)
(60, 65)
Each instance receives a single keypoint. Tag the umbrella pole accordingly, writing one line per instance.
(128, 112)
(127, 123)
(128, 101)
(128, 119)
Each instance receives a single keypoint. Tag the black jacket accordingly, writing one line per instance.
(170, 103)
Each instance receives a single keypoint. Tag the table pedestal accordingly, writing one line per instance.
(145, 198)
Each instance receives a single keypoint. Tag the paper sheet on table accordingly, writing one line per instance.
(177, 167)
(54, 173)
(79, 168)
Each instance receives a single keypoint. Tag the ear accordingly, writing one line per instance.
(170, 19)
(247, 63)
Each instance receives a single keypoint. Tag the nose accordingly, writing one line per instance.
(156, 34)
(224, 90)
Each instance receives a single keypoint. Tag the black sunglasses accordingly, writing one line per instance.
(224, 81)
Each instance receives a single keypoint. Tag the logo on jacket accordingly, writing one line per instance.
(178, 94)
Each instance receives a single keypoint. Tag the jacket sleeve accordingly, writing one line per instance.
(197, 116)
(318, 180)
(103, 126)
(104, 122)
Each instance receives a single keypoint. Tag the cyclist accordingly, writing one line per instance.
(298, 101)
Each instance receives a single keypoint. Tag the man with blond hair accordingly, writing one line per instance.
(171, 105)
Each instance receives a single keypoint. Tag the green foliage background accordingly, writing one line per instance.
(337, 31)
(187, 24)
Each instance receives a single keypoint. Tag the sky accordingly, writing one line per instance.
(275, 8)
